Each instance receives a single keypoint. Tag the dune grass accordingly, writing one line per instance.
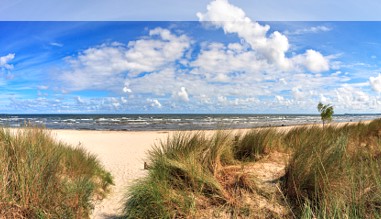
(191, 172)
(43, 178)
(332, 172)
(335, 172)
(183, 169)
(251, 146)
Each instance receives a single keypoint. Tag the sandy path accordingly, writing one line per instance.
(122, 153)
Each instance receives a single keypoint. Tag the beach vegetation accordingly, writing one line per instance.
(299, 172)
(43, 178)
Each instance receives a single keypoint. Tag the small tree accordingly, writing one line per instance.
(326, 112)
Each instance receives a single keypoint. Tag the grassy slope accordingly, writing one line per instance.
(42, 178)
(333, 172)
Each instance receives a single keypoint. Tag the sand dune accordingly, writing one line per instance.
(123, 154)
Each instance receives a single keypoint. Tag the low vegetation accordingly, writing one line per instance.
(303, 172)
(43, 178)
(335, 172)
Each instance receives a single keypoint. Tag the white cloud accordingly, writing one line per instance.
(126, 88)
(279, 98)
(220, 63)
(105, 66)
(352, 97)
(151, 54)
(314, 61)
(232, 19)
(42, 87)
(271, 47)
(116, 105)
(324, 99)
(79, 100)
(297, 93)
(182, 95)
(222, 99)
(316, 29)
(4, 61)
(123, 99)
(56, 44)
(375, 82)
(154, 103)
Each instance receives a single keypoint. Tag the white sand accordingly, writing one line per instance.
(121, 153)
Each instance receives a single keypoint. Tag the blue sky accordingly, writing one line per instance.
(222, 62)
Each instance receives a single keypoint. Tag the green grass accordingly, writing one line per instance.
(332, 172)
(185, 167)
(43, 178)
(335, 172)
(253, 145)
(189, 172)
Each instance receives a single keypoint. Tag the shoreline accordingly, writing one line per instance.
(183, 122)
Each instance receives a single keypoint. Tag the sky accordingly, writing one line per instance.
(211, 57)
(175, 10)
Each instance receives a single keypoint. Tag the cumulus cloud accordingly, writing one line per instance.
(79, 100)
(123, 99)
(4, 61)
(104, 66)
(126, 88)
(147, 55)
(314, 61)
(154, 103)
(182, 95)
(271, 47)
(375, 82)
(297, 93)
(350, 97)
(234, 20)
(221, 63)
(279, 98)
(116, 105)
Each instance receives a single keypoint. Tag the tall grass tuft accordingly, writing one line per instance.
(256, 143)
(335, 172)
(186, 173)
(42, 178)
(191, 172)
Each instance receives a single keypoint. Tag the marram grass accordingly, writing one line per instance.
(43, 178)
(332, 172)
(335, 172)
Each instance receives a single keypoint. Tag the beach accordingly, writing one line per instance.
(121, 153)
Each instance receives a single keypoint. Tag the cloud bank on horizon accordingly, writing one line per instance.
(225, 63)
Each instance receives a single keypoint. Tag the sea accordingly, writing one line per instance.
(155, 122)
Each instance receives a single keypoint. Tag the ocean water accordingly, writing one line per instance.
(152, 122)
